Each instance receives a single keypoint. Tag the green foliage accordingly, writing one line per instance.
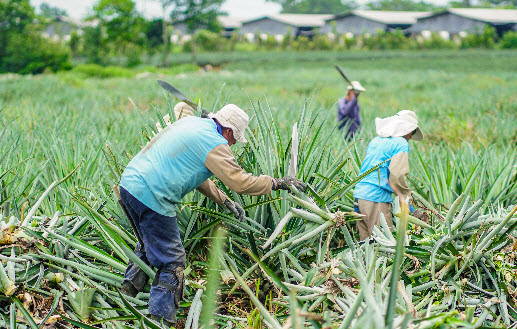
(154, 33)
(435, 41)
(387, 40)
(197, 14)
(16, 15)
(509, 40)
(486, 39)
(122, 24)
(209, 41)
(74, 43)
(49, 11)
(59, 124)
(401, 5)
(316, 6)
(94, 45)
(22, 48)
(269, 43)
(97, 71)
(30, 53)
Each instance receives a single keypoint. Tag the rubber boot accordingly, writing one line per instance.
(165, 322)
(128, 289)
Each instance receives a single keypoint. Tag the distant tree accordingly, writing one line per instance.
(460, 4)
(154, 32)
(197, 14)
(22, 48)
(401, 5)
(165, 32)
(122, 23)
(94, 47)
(490, 3)
(15, 15)
(316, 6)
(50, 12)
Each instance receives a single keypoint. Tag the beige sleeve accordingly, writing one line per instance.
(208, 189)
(221, 162)
(399, 169)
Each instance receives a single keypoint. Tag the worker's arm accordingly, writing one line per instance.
(345, 108)
(208, 189)
(221, 162)
(399, 169)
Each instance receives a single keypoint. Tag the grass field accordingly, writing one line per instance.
(467, 106)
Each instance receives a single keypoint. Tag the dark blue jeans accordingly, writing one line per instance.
(162, 249)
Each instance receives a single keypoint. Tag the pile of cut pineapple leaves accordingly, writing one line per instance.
(294, 262)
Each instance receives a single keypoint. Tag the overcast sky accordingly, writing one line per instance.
(151, 8)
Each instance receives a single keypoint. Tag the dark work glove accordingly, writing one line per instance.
(419, 214)
(204, 113)
(235, 208)
(285, 182)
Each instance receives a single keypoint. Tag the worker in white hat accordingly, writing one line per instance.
(180, 158)
(373, 193)
(348, 110)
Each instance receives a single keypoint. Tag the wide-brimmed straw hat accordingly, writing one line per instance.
(231, 116)
(356, 86)
(399, 125)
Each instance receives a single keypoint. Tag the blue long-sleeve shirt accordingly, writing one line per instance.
(348, 113)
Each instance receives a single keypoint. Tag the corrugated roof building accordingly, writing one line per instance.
(227, 23)
(370, 21)
(470, 20)
(280, 24)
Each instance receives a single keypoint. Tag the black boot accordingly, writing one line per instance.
(162, 320)
(128, 289)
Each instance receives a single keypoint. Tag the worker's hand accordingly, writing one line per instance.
(285, 182)
(419, 214)
(235, 208)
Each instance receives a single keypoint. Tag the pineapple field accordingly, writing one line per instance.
(295, 261)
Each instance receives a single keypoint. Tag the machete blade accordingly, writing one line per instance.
(176, 93)
(343, 74)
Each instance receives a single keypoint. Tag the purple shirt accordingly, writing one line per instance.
(348, 113)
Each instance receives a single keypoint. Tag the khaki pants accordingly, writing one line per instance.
(372, 210)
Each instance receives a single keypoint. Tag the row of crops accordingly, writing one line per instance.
(295, 261)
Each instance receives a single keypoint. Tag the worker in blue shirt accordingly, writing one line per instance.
(180, 158)
(373, 194)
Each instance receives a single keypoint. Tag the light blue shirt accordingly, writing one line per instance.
(375, 186)
(172, 164)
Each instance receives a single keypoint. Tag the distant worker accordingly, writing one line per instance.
(180, 158)
(348, 114)
(373, 194)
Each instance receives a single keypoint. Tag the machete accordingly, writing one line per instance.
(176, 93)
(343, 74)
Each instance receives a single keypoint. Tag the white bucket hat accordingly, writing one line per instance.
(399, 125)
(356, 86)
(231, 116)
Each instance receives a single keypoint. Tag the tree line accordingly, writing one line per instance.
(117, 30)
